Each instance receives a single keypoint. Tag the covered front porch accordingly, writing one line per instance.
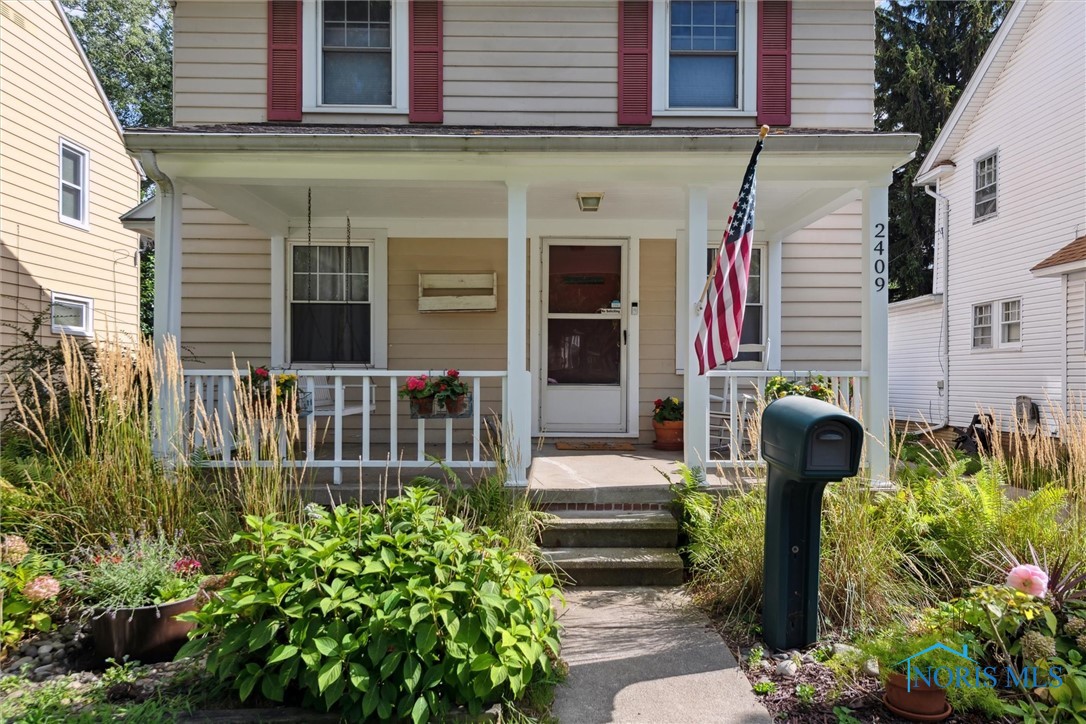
(441, 203)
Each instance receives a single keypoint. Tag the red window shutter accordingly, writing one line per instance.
(775, 62)
(284, 60)
(426, 62)
(635, 62)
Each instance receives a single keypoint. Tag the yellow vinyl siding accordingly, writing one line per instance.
(657, 332)
(45, 97)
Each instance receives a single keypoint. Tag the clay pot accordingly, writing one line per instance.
(669, 435)
(422, 406)
(455, 405)
(920, 702)
(148, 634)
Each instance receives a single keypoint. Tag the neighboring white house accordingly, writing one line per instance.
(65, 179)
(1009, 174)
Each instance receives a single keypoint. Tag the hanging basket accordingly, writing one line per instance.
(429, 408)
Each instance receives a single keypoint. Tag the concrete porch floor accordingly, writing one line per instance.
(577, 477)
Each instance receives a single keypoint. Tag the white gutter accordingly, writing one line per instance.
(944, 331)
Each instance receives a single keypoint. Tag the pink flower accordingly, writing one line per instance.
(1028, 578)
(260, 372)
(13, 550)
(42, 588)
(454, 373)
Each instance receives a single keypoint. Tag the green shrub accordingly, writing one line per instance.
(394, 612)
(28, 590)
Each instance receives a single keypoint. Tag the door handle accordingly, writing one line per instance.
(624, 338)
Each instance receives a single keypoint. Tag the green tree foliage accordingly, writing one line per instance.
(925, 53)
(130, 45)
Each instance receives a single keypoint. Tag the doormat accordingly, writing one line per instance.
(594, 445)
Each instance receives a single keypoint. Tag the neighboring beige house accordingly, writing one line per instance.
(343, 174)
(1008, 171)
(65, 179)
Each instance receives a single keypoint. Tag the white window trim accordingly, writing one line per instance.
(994, 153)
(996, 324)
(768, 294)
(311, 63)
(84, 211)
(377, 240)
(87, 330)
(748, 64)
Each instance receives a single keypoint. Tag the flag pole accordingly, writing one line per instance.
(708, 279)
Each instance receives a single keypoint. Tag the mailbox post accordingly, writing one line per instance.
(807, 444)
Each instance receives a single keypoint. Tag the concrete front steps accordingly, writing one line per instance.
(614, 548)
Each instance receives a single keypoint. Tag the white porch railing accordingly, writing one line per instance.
(736, 399)
(337, 394)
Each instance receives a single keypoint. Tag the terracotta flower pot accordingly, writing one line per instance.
(455, 405)
(422, 406)
(149, 634)
(920, 702)
(669, 434)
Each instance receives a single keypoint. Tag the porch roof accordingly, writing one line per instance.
(309, 137)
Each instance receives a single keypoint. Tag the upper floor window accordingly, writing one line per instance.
(71, 315)
(73, 184)
(703, 70)
(354, 55)
(985, 187)
(709, 63)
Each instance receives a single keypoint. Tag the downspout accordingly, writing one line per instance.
(944, 352)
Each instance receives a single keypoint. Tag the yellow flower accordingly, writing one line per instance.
(674, 400)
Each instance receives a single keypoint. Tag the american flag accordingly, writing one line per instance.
(722, 319)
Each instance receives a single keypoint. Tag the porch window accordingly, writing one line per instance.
(986, 187)
(331, 309)
(71, 315)
(707, 57)
(73, 184)
(752, 338)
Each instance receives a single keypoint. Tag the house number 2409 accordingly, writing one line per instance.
(880, 257)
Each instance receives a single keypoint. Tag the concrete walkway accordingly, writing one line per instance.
(648, 655)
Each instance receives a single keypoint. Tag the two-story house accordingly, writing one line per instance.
(65, 180)
(530, 192)
(1003, 331)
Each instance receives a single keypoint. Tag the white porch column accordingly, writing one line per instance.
(775, 286)
(167, 332)
(876, 395)
(517, 408)
(695, 387)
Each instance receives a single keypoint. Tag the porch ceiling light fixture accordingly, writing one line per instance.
(589, 200)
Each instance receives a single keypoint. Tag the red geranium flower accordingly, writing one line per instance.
(260, 372)
(454, 373)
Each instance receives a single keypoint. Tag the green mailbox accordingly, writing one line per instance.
(807, 444)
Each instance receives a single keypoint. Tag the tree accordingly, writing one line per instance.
(925, 53)
(130, 46)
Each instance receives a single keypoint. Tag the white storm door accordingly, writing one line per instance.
(584, 336)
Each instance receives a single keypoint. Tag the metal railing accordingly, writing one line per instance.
(212, 419)
(736, 398)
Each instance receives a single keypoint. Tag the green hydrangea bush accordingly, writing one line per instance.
(394, 612)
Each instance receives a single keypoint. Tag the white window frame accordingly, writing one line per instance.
(747, 47)
(995, 325)
(377, 240)
(84, 185)
(87, 329)
(311, 63)
(994, 157)
(1003, 322)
